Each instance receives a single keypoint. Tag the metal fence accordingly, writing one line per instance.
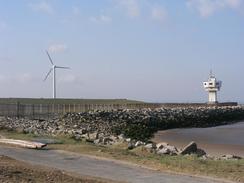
(39, 111)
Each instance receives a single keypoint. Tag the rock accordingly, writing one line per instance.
(200, 152)
(204, 157)
(170, 150)
(77, 137)
(189, 149)
(121, 137)
(161, 145)
(70, 132)
(131, 145)
(163, 151)
(84, 136)
(93, 136)
(150, 146)
(128, 140)
(139, 143)
(90, 140)
(100, 124)
(97, 141)
(107, 140)
(230, 157)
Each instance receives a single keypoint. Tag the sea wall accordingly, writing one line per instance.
(135, 124)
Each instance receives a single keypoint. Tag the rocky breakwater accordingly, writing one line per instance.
(139, 125)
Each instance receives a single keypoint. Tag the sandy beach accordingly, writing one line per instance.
(227, 139)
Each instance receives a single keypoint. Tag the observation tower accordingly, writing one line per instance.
(212, 86)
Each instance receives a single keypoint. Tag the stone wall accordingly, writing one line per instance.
(135, 124)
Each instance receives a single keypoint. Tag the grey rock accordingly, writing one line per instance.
(107, 140)
(93, 136)
(200, 152)
(189, 149)
(97, 141)
(128, 140)
(161, 145)
(131, 145)
(150, 146)
(121, 137)
(77, 137)
(230, 157)
(170, 150)
(139, 143)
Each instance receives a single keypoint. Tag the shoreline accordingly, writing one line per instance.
(216, 141)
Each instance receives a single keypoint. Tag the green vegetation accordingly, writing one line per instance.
(66, 101)
(225, 169)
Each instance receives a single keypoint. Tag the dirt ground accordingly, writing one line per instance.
(15, 171)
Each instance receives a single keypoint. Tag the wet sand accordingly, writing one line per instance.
(227, 139)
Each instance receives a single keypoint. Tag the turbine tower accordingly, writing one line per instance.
(212, 86)
(53, 68)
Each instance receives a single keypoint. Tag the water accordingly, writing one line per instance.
(227, 139)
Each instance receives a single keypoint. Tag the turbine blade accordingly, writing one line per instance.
(49, 57)
(48, 74)
(59, 67)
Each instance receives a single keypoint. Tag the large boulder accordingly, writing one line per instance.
(165, 148)
(191, 148)
(161, 145)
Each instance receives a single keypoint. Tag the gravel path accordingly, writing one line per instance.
(88, 166)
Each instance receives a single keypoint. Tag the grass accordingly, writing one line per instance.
(66, 101)
(231, 169)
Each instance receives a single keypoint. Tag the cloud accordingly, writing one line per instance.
(131, 6)
(159, 14)
(207, 8)
(101, 19)
(57, 48)
(43, 7)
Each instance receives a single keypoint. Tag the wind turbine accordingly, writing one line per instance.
(53, 68)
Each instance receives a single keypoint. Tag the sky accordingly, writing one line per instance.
(150, 50)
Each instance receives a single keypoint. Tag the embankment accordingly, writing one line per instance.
(135, 124)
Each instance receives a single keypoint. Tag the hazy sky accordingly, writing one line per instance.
(152, 50)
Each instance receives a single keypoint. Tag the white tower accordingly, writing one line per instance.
(212, 86)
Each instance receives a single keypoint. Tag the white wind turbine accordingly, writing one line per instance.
(53, 68)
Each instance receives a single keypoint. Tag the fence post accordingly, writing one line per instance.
(33, 110)
(17, 109)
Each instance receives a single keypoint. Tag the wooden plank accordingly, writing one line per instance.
(23, 143)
